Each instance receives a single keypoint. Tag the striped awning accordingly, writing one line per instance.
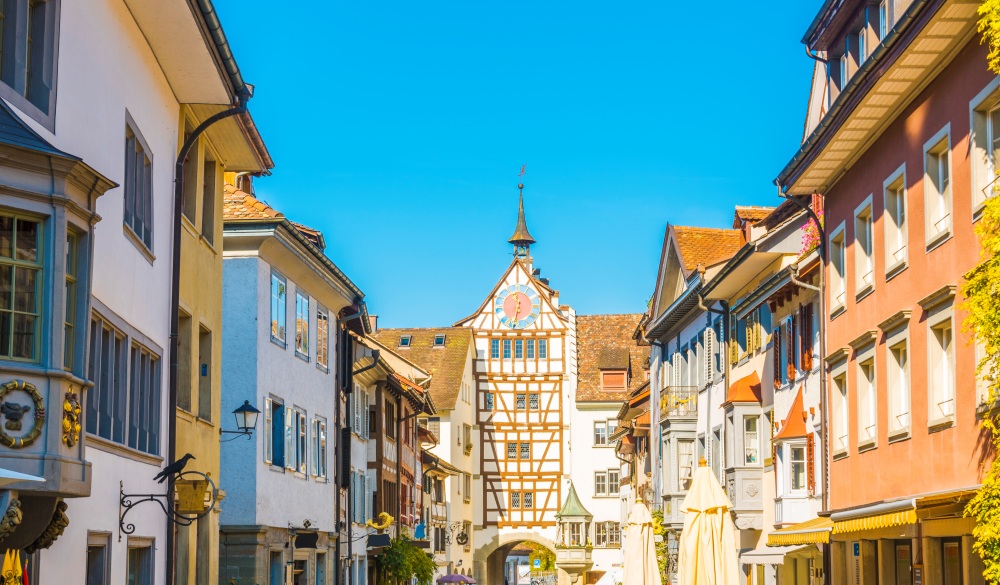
(815, 531)
(885, 520)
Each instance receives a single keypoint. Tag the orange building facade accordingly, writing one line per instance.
(903, 152)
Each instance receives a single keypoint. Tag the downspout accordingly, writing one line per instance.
(175, 299)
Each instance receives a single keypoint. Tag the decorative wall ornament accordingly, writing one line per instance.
(53, 531)
(71, 419)
(196, 490)
(11, 518)
(15, 411)
(384, 521)
(752, 489)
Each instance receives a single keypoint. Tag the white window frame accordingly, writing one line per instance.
(844, 77)
(884, 15)
(983, 166)
(302, 317)
(864, 248)
(840, 405)
(938, 225)
(685, 464)
(866, 383)
(787, 448)
(757, 441)
(838, 273)
(600, 476)
(941, 382)
(894, 222)
(862, 46)
(279, 309)
(899, 388)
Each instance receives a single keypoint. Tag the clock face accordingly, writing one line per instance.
(517, 306)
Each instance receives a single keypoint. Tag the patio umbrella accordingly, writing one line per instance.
(640, 566)
(707, 554)
(456, 578)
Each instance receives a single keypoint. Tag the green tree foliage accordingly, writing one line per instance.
(662, 558)
(403, 561)
(989, 26)
(546, 557)
(981, 289)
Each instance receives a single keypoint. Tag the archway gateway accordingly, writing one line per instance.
(490, 559)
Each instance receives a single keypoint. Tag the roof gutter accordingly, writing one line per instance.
(855, 85)
(228, 61)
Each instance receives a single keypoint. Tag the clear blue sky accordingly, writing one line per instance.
(398, 129)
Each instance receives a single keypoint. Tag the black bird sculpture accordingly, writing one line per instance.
(173, 468)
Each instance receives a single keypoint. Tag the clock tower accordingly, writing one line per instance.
(525, 380)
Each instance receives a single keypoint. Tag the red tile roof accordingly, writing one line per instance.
(752, 212)
(445, 364)
(240, 205)
(606, 342)
(705, 246)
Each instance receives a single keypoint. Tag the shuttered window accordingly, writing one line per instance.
(138, 188)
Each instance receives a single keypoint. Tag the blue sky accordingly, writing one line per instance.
(398, 129)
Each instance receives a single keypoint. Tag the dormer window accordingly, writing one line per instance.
(404, 340)
(613, 379)
(439, 340)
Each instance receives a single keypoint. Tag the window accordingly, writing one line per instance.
(533, 401)
(390, 420)
(797, 467)
(20, 287)
(506, 349)
(319, 447)
(525, 451)
(751, 440)
(301, 324)
(138, 188)
(511, 450)
(941, 377)
(576, 533)
(495, 349)
(515, 500)
(528, 500)
(838, 285)
(439, 340)
(937, 187)
(600, 483)
(613, 482)
(867, 427)
(27, 54)
(904, 557)
(543, 351)
(895, 221)
(296, 433)
(140, 565)
(685, 464)
(985, 145)
(951, 561)
(883, 19)
(899, 388)
(69, 320)
(864, 259)
(489, 401)
(843, 71)
(518, 348)
(322, 338)
(278, 290)
(124, 405)
(98, 560)
(274, 444)
(613, 380)
(862, 49)
(521, 401)
(600, 433)
(467, 435)
(467, 480)
(209, 190)
(531, 349)
(607, 534)
(404, 341)
(838, 414)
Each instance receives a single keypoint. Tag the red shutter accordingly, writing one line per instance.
(810, 464)
(807, 336)
(776, 351)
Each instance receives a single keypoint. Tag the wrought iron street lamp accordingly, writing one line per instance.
(246, 420)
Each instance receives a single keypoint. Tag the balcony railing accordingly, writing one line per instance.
(679, 402)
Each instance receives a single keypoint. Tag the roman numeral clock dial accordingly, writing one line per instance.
(517, 306)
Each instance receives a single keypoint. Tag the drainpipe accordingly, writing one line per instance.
(823, 400)
(175, 298)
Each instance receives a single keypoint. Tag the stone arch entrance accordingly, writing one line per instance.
(489, 558)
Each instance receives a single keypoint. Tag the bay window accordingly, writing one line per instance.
(797, 480)
(21, 267)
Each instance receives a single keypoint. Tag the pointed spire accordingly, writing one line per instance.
(573, 507)
(521, 239)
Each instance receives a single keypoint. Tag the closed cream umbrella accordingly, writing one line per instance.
(640, 566)
(707, 552)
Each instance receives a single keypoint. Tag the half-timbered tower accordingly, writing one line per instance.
(525, 348)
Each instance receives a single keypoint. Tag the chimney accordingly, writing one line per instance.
(373, 322)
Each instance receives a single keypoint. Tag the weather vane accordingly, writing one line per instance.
(520, 182)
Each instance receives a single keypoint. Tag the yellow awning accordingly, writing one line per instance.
(815, 531)
(887, 520)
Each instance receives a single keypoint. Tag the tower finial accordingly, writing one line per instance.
(521, 239)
